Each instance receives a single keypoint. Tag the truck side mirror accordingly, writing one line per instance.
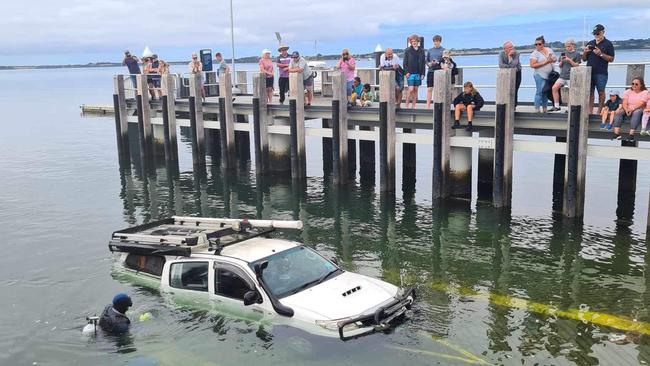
(251, 297)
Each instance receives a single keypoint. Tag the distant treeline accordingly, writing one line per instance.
(630, 44)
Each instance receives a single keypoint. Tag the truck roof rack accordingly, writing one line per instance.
(178, 235)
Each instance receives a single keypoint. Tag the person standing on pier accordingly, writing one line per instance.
(390, 61)
(509, 59)
(598, 53)
(299, 65)
(266, 68)
(131, 63)
(541, 60)
(347, 65)
(283, 62)
(568, 59)
(196, 67)
(153, 77)
(222, 66)
(433, 60)
(414, 62)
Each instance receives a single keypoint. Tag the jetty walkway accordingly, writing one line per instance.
(221, 127)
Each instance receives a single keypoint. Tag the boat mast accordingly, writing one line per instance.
(232, 40)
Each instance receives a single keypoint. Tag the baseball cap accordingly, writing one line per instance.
(613, 92)
(295, 54)
(597, 29)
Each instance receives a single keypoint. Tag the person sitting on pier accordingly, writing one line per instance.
(509, 59)
(266, 68)
(414, 62)
(612, 106)
(131, 63)
(367, 96)
(390, 61)
(433, 60)
(468, 100)
(634, 101)
(196, 67)
(645, 117)
(541, 60)
(299, 65)
(357, 88)
(570, 58)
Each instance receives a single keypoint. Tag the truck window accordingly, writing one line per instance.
(189, 276)
(151, 264)
(230, 284)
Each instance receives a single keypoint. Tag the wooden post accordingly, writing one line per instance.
(627, 172)
(196, 120)
(633, 72)
(242, 138)
(121, 119)
(227, 125)
(441, 132)
(327, 148)
(366, 76)
(486, 167)
(387, 131)
(242, 81)
(297, 123)
(503, 138)
(559, 164)
(144, 117)
(211, 79)
(169, 118)
(339, 129)
(326, 83)
(260, 124)
(460, 169)
(577, 133)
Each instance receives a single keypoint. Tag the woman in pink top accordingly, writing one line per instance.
(634, 100)
(347, 66)
(266, 68)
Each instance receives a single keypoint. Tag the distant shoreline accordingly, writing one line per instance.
(630, 44)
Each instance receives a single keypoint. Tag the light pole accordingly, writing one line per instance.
(232, 40)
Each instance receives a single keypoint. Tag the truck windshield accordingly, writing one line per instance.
(296, 269)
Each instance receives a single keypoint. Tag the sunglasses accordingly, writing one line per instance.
(636, 84)
(538, 44)
(345, 54)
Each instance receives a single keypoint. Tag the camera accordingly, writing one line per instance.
(591, 46)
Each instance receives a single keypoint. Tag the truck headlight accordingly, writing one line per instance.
(333, 325)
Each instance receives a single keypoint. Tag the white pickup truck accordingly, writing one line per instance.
(234, 264)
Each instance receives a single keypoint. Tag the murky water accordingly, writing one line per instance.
(521, 286)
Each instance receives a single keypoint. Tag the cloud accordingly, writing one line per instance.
(41, 26)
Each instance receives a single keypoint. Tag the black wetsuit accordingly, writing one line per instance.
(112, 321)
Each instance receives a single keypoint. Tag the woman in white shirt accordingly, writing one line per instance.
(541, 60)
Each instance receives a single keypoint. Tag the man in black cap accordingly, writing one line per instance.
(598, 53)
(113, 319)
(131, 62)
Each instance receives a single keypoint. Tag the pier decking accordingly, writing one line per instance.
(279, 133)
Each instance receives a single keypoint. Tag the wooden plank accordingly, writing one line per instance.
(340, 138)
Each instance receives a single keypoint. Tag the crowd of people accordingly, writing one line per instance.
(550, 73)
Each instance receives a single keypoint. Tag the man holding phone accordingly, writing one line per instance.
(568, 59)
(598, 53)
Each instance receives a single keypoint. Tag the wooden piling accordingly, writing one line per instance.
(227, 124)
(559, 164)
(577, 133)
(485, 181)
(627, 173)
(387, 131)
(169, 118)
(441, 132)
(260, 125)
(121, 120)
(144, 117)
(503, 137)
(460, 169)
(242, 138)
(297, 123)
(196, 120)
(327, 147)
(339, 129)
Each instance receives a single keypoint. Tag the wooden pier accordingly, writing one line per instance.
(219, 125)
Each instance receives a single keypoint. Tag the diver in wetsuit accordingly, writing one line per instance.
(113, 319)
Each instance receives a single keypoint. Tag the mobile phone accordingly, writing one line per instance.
(591, 46)
(562, 54)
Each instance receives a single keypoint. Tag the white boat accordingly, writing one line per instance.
(235, 267)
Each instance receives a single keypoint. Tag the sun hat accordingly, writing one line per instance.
(283, 47)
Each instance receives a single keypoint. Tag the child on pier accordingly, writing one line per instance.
(468, 100)
(367, 96)
(609, 111)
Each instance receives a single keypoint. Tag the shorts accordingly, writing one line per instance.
(635, 119)
(269, 82)
(414, 80)
(430, 79)
(599, 81)
(399, 82)
(309, 82)
(563, 82)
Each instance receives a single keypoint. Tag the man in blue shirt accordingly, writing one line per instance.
(598, 53)
(131, 63)
(433, 59)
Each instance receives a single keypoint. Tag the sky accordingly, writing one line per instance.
(83, 31)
